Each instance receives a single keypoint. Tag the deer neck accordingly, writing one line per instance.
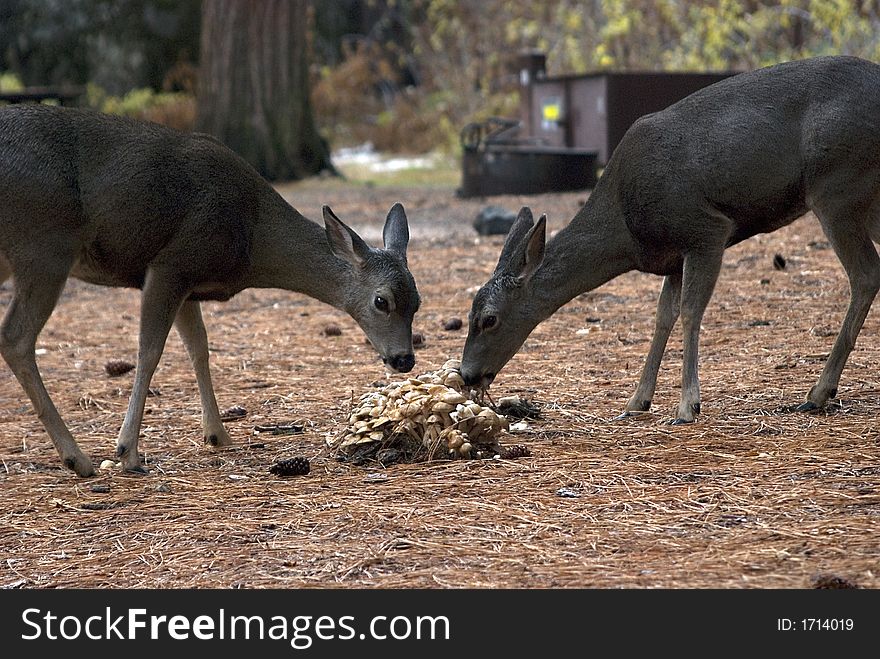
(291, 252)
(594, 248)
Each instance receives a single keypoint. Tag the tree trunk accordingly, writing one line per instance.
(253, 89)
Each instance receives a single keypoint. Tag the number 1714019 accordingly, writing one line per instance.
(815, 624)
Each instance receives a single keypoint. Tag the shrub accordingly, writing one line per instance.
(9, 82)
(174, 109)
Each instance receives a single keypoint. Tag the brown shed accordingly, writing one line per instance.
(568, 126)
(592, 111)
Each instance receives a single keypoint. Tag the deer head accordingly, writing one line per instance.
(383, 298)
(504, 310)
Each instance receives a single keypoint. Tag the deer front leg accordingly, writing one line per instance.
(161, 298)
(667, 314)
(862, 265)
(33, 300)
(191, 328)
(699, 275)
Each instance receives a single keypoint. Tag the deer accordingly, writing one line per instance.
(744, 156)
(120, 202)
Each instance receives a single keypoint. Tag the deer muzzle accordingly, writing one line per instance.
(474, 379)
(401, 363)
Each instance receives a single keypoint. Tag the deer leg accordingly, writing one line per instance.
(192, 330)
(160, 301)
(862, 265)
(33, 300)
(700, 272)
(667, 314)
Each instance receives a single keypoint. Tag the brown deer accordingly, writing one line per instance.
(746, 155)
(117, 202)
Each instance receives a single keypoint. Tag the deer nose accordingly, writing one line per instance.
(473, 379)
(402, 363)
(470, 377)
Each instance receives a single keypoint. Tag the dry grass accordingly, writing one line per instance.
(751, 496)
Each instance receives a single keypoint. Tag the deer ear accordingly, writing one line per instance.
(344, 242)
(533, 252)
(396, 232)
(523, 249)
(518, 231)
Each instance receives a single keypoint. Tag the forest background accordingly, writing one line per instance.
(404, 76)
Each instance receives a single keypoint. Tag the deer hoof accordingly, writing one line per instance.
(628, 414)
(808, 406)
(81, 465)
(218, 439)
(680, 422)
(131, 464)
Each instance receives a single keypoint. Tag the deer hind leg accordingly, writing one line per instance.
(33, 300)
(161, 299)
(191, 328)
(667, 314)
(700, 272)
(852, 244)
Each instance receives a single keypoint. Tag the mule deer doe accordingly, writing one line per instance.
(746, 155)
(116, 202)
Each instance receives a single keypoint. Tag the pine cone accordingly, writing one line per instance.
(117, 367)
(291, 467)
(233, 413)
(830, 581)
(515, 451)
(514, 407)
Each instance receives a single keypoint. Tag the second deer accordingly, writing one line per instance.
(746, 155)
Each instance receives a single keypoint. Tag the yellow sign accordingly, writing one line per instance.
(551, 111)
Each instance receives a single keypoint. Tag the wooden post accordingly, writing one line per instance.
(532, 65)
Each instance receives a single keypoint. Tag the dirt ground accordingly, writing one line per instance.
(753, 495)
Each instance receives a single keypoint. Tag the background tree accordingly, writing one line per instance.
(117, 45)
(253, 87)
(402, 75)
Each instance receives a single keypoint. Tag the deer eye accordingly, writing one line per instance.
(489, 322)
(381, 304)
